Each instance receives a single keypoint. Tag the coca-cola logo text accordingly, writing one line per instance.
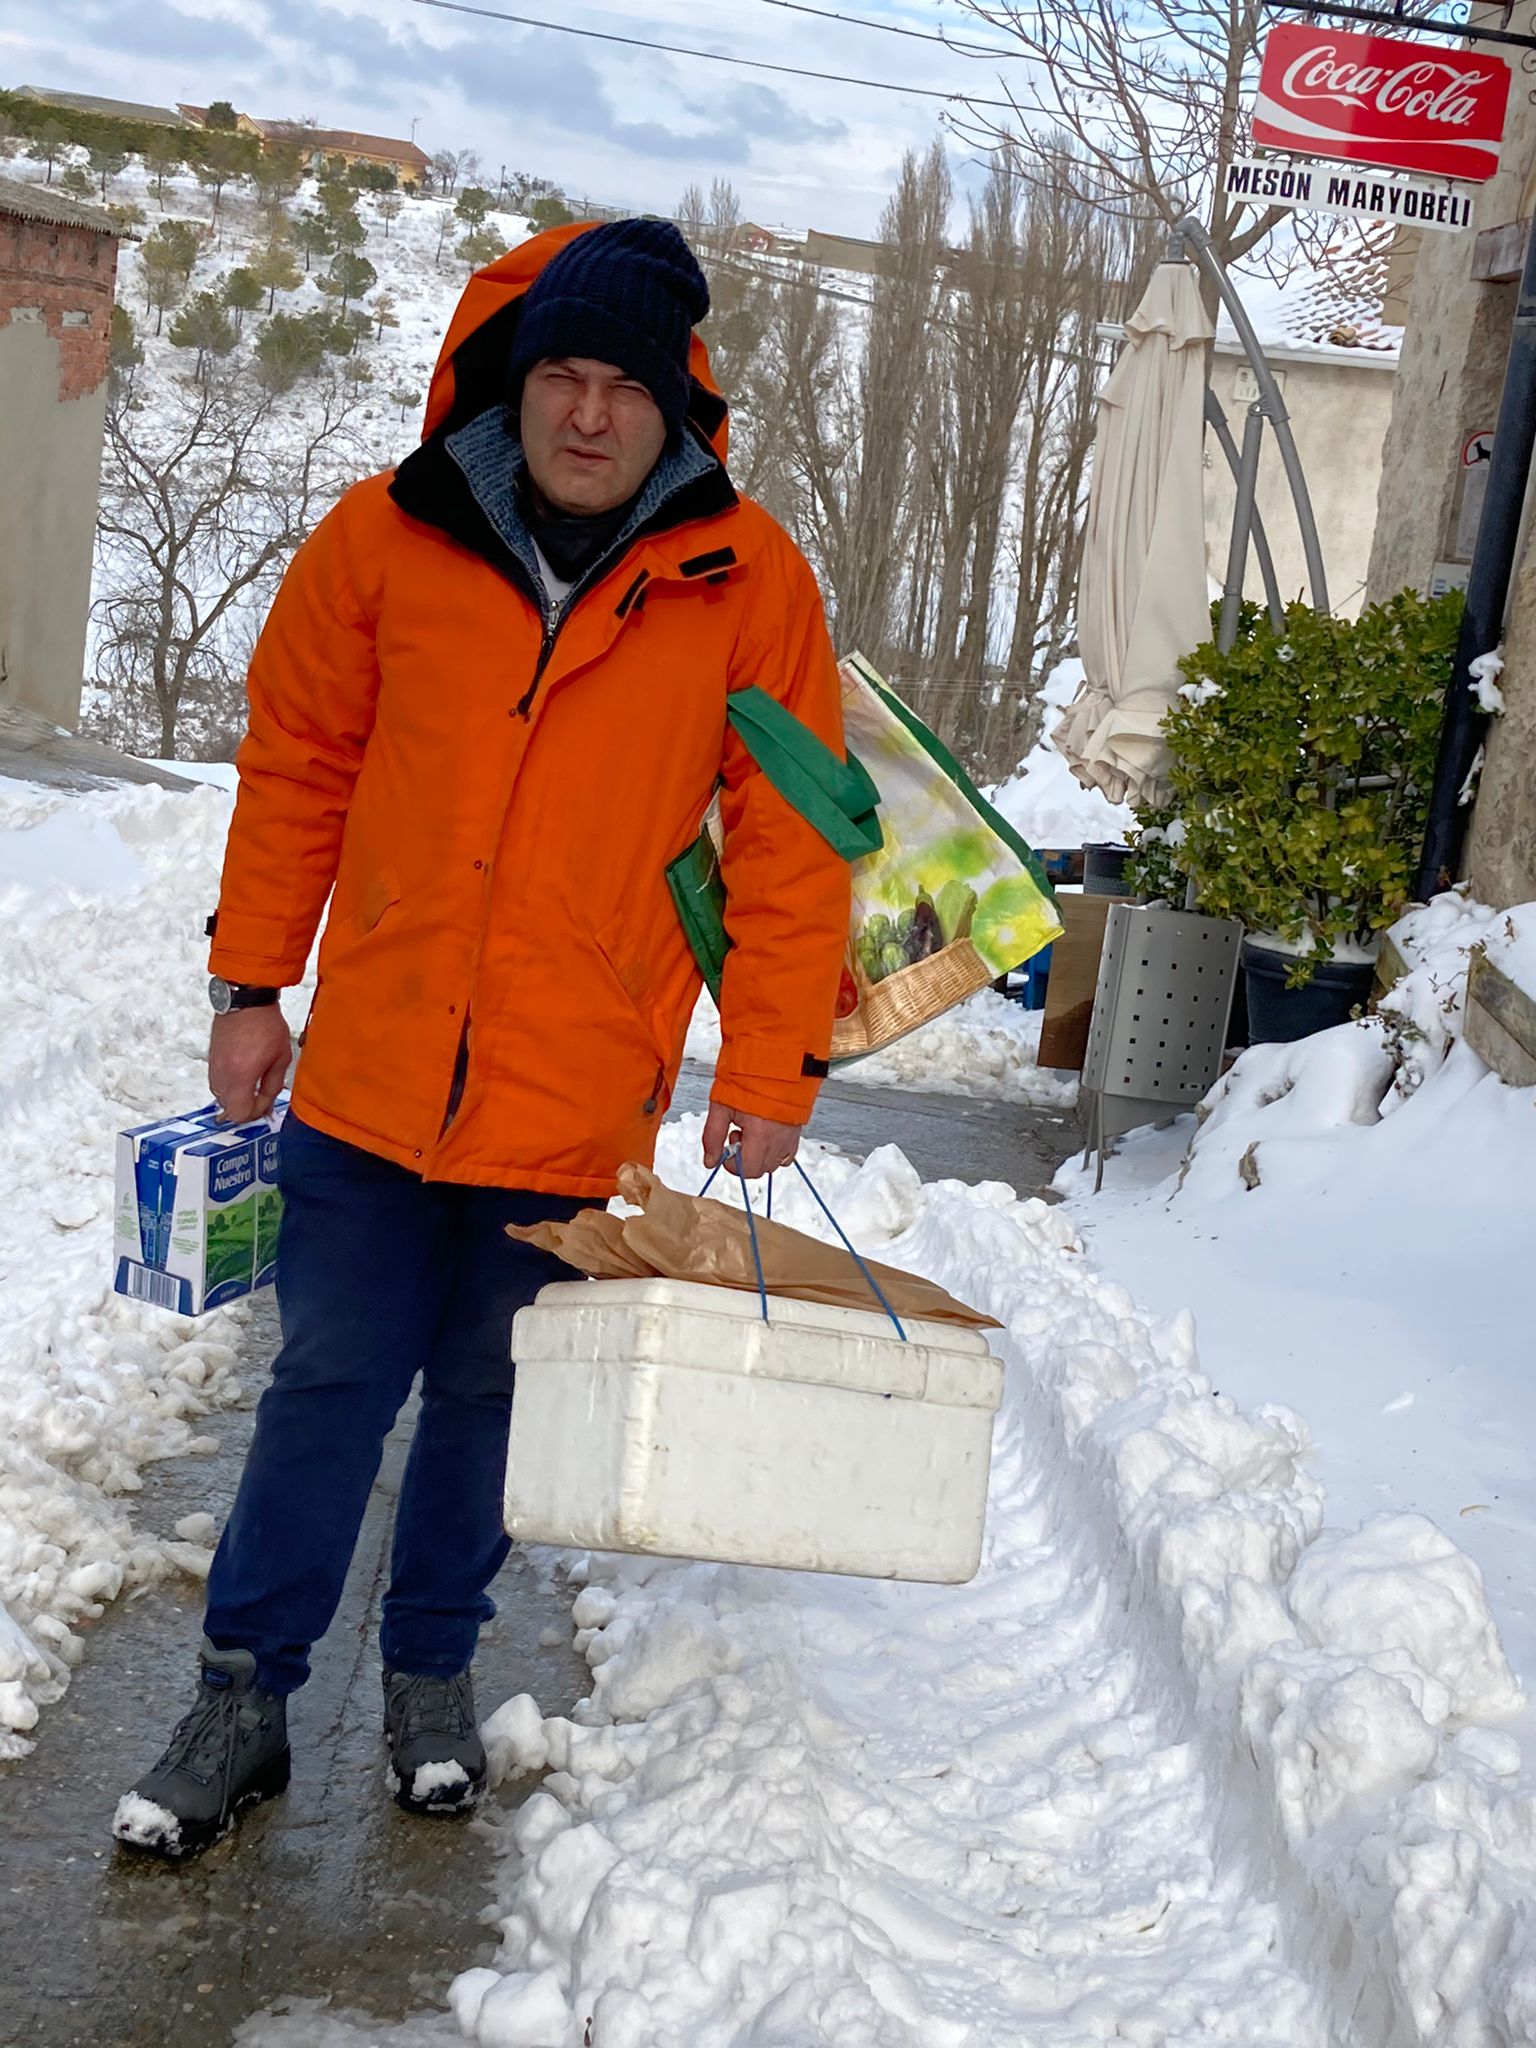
(1420, 91)
(1381, 100)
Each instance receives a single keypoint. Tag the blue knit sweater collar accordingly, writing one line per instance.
(490, 458)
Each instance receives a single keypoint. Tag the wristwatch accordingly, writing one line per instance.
(237, 995)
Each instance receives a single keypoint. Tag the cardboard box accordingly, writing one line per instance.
(197, 1210)
(1074, 979)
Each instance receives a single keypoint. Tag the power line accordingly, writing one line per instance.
(597, 35)
(893, 28)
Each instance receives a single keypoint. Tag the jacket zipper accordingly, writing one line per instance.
(546, 649)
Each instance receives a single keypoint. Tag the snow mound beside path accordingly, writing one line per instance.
(986, 1047)
(1179, 1766)
(104, 1026)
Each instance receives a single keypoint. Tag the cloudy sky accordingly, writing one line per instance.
(623, 126)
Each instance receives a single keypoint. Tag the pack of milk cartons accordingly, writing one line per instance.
(197, 1209)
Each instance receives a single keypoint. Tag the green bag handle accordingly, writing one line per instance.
(836, 796)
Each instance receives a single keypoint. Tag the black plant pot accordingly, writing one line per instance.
(1278, 1015)
(1104, 870)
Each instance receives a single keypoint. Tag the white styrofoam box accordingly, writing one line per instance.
(669, 1418)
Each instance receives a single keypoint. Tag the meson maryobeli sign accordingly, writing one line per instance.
(1423, 107)
(1333, 188)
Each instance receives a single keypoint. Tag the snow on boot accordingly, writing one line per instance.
(229, 1752)
(436, 1757)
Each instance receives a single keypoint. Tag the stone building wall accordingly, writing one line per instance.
(1449, 378)
(1451, 367)
(57, 279)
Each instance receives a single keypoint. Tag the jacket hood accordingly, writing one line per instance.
(471, 365)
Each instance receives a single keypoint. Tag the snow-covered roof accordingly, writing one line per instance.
(1330, 308)
(39, 202)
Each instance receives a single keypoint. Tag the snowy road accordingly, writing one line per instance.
(331, 1890)
(1182, 1768)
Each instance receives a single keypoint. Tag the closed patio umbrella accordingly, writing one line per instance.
(1143, 597)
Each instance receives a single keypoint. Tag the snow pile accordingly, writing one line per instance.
(1179, 1765)
(104, 1023)
(985, 1047)
(1265, 1118)
(1044, 801)
(1351, 1220)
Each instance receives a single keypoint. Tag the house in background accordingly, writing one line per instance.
(1334, 355)
(58, 270)
(387, 152)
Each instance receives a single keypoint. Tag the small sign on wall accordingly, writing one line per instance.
(1449, 576)
(1335, 188)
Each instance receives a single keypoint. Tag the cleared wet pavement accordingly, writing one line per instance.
(330, 1891)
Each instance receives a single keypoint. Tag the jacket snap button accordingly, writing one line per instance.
(479, 863)
(650, 1105)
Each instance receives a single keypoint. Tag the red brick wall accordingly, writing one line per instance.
(63, 278)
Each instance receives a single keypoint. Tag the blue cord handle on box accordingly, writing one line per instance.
(757, 1258)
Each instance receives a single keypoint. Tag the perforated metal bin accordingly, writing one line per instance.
(1160, 1013)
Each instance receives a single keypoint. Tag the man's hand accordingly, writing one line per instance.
(765, 1145)
(248, 1055)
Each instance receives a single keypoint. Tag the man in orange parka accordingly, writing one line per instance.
(488, 708)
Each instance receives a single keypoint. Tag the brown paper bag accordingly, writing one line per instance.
(688, 1237)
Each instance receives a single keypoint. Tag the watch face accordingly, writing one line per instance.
(220, 994)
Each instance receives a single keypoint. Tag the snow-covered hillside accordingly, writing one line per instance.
(419, 277)
(403, 253)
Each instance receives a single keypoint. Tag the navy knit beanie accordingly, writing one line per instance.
(627, 293)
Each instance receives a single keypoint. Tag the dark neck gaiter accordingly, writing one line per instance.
(571, 543)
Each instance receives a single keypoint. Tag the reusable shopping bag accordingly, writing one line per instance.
(946, 895)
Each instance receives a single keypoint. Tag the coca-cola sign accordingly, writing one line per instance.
(1419, 107)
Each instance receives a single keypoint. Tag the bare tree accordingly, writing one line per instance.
(879, 490)
(1154, 96)
(204, 498)
(450, 165)
(724, 215)
(693, 217)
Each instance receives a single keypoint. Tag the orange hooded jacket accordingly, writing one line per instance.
(504, 987)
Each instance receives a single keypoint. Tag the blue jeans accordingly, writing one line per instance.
(381, 1276)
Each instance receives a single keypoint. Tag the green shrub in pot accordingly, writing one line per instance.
(1276, 747)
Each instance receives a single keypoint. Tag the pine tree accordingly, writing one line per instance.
(165, 282)
(480, 248)
(474, 204)
(204, 325)
(107, 164)
(275, 270)
(243, 293)
(312, 231)
(349, 277)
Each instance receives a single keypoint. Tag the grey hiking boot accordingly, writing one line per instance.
(229, 1752)
(436, 1757)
